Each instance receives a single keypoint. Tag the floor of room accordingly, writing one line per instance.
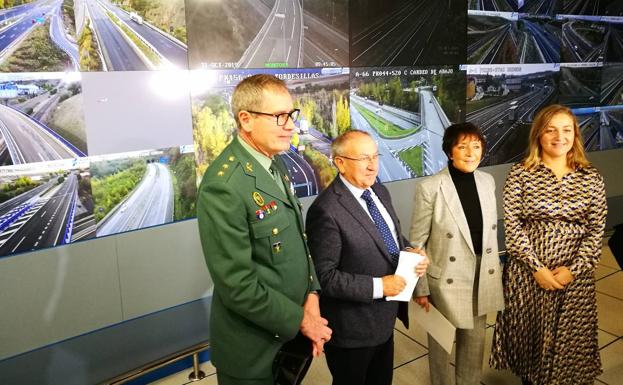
(411, 353)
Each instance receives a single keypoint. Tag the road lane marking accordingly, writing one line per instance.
(18, 243)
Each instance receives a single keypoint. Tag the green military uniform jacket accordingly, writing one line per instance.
(253, 241)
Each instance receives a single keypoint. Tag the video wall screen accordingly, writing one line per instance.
(111, 110)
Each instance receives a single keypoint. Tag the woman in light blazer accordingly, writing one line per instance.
(455, 221)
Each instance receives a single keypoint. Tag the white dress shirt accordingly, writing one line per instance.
(377, 282)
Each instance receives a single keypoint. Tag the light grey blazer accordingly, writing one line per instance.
(440, 226)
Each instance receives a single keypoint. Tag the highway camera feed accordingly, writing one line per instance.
(37, 36)
(113, 36)
(540, 7)
(407, 32)
(592, 7)
(320, 94)
(267, 33)
(141, 189)
(503, 99)
(406, 110)
(502, 37)
(45, 204)
(580, 85)
(41, 118)
(493, 5)
(612, 85)
(583, 39)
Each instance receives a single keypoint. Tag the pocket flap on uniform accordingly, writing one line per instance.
(273, 225)
(434, 271)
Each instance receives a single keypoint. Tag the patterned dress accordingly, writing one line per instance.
(550, 337)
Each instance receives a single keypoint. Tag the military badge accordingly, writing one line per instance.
(258, 198)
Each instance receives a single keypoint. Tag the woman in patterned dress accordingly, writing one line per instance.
(554, 214)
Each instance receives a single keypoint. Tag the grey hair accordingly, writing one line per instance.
(338, 144)
(249, 93)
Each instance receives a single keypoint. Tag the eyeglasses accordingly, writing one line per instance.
(282, 119)
(366, 159)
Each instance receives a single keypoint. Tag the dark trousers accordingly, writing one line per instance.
(361, 366)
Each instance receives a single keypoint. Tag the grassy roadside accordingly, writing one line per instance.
(151, 56)
(68, 121)
(37, 53)
(414, 159)
(110, 190)
(88, 51)
(385, 128)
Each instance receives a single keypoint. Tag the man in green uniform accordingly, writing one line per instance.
(251, 228)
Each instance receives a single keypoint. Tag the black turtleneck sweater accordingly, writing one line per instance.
(465, 185)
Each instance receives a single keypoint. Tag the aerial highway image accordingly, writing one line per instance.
(541, 7)
(503, 99)
(501, 37)
(493, 37)
(583, 38)
(45, 204)
(41, 117)
(406, 110)
(407, 32)
(38, 36)
(122, 35)
(141, 189)
(601, 127)
(591, 7)
(580, 84)
(612, 85)
(494, 5)
(267, 33)
(320, 93)
(614, 40)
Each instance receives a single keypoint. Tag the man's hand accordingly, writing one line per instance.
(545, 278)
(420, 268)
(416, 250)
(313, 326)
(423, 302)
(563, 275)
(393, 285)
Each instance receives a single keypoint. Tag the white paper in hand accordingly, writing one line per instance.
(406, 269)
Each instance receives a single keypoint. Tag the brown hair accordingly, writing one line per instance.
(576, 157)
(249, 93)
(458, 131)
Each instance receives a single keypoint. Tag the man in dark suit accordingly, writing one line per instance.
(251, 229)
(354, 236)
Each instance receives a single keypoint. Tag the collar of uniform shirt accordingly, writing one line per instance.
(262, 159)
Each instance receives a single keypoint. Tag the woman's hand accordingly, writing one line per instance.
(546, 279)
(563, 275)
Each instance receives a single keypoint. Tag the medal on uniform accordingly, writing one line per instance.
(277, 247)
(258, 198)
(259, 214)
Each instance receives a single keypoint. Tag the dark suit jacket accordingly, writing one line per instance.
(348, 251)
(261, 267)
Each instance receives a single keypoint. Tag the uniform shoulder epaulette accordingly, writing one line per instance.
(223, 167)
